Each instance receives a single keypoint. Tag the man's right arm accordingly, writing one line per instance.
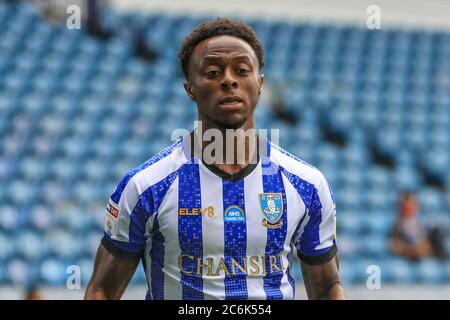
(111, 275)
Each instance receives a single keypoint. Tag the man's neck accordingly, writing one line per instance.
(235, 149)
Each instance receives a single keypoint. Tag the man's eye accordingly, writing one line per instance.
(212, 73)
(242, 71)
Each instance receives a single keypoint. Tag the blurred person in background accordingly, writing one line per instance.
(410, 239)
(32, 293)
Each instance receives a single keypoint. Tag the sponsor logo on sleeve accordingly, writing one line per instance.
(112, 209)
(111, 225)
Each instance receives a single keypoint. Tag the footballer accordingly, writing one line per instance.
(220, 229)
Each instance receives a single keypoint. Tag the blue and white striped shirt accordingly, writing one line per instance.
(205, 235)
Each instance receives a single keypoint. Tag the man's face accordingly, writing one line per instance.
(224, 80)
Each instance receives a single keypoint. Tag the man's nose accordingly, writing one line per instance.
(228, 81)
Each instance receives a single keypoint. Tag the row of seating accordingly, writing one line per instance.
(79, 112)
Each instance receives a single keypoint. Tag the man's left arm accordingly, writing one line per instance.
(322, 281)
(315, 241)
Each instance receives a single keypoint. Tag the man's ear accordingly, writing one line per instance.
(189, 90)
(260, 84)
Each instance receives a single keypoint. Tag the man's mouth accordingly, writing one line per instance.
(231, 102)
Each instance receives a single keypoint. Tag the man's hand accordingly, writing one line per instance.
(323, 281)
(111, 276)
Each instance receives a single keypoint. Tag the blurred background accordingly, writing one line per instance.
(360, 89)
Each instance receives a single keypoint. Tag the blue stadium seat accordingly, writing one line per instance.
(53, 271)
(400, 271)
(348, 272)
(349, 245)
(7, 248)
(375, 245)
(378, 224)
(29, 245)
(350, 222)
(61, 243)
(41, 219)
(431, 271)
(18, 271)
(10, 218)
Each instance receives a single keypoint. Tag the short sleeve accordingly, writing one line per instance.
(125, 221)
(315, 237)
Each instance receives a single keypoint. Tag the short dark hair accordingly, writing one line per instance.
(217, 27)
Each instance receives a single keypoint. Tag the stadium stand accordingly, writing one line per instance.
(77, 112)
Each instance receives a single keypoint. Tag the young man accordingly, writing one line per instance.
(208, 229)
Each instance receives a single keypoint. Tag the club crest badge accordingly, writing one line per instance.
(272, 209)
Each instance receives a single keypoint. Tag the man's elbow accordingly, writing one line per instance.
(95, 293)
(335, 291)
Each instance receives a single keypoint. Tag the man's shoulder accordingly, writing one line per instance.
(295, 166)
(156, 168)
